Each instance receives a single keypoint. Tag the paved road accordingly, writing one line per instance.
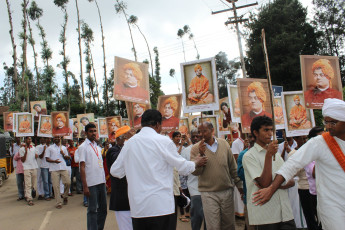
(17, 215)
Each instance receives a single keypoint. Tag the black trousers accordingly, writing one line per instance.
(167, 222)
(308, 203)
(287, 225)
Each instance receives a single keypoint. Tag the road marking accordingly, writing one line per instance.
(45, 220)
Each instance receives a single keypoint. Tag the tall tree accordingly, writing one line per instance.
(286, 40)
(133, 20)
(104, 62)
(65, 59)
(187, 30)
(155, 82)
(80, 55)
(330, 21)
(120, 7)
(180, 34)
(14, 55)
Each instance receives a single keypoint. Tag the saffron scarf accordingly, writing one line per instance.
(335, 149)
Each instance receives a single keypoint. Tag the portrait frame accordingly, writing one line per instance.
(125, 122)
(111, 135)
(102, 124)
(43, 106)
(220, 113)
(278, 113)
(70, 135)
(242, 84)
(209, 71)
(308, 82)
(40, 123)
(29, 124)
(172, 124)
(192, 118)
(277, 90)
(233, 97)
(131, 117)
(214, 120)
(288, 103)
(184, 126)
(75, 130)
(8, 128)
(64, 132)
(141, 91)
(81, 127)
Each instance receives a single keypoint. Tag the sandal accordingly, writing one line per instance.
(30, 203)
(184, 219)
(59, 206)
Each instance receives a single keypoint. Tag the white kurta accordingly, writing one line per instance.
(330, 180)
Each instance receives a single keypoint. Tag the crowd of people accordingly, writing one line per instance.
(151, 176)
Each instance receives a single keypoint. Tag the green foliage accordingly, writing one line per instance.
(155, 82)
(286, 40)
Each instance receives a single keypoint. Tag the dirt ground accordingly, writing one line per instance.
(17, 215)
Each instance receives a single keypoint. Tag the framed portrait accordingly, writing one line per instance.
(199, 85)
(277, 90)
(183, 127)
(214, 120)
(83, 120)
(278, 113)
(193, 122)
(135, 111)
(38, 108)
(113, 124)
(131, 81)
(320, 79)
(102, 127)
(9, 118)
(60, 121)
(24, 125)
(224, 116)
(70, 135)
(234, 103)
(254, 98)
(96, 124)
(125, 122)
(170, 108)
(45, 126)
(75, 128)
(298, 119)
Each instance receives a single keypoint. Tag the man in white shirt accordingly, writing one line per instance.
(286, 147)
(196, 211)
(14, 149)
(40, 149)
(45, 174)
(93, 178)
(330, 173)
(147, 160)
(55, 155)
(28, 154)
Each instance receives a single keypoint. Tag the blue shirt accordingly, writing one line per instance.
(240, 173)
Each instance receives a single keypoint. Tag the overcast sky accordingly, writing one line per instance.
(158, 19)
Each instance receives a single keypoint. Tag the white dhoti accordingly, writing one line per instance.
(40, 189)
(239, 205)
(124, 220)
(296, 206)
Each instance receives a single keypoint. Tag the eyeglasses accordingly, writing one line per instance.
(331, 123)
(122, 137)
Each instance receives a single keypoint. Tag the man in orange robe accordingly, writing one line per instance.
(257, 98)
(9, 122)
(24, 126)
(103, 127)
(323, 74)
(298, 115)
(199, 88)
(60, 128)
(168, 109)
(138, 110)
(46, 126)
(278, 113)
(113, 126)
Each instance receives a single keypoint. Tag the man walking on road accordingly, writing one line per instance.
(93, 178)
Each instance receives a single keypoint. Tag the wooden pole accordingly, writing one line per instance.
(267, 65)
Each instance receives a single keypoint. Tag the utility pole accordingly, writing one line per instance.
(236, 20)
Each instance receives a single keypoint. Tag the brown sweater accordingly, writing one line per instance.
(220, 172)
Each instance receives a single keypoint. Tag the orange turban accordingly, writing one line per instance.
(183, 129)
(10, 115)
(296, 97)
(25, 116)
(122, 130)
(258, 88)
(173, 103)
(141, 105)
(116, 121)
(326, 68)
(135, 68)
(61, 116)
(197, 66)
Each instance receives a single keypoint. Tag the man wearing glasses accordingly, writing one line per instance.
(327, 150)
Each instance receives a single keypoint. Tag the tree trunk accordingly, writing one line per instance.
(80, 56)
(104, 63)
(25, 64)
(35, 57)
(94, 74)
(184, 54)
(148, 48)
(65, 61)
(130, 31)
(14, 47)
